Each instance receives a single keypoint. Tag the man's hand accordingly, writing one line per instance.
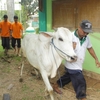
(97, 63)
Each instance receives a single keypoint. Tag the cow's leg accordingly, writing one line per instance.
(36, 73)
(47, 83)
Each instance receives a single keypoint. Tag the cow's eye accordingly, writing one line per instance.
(60, 39)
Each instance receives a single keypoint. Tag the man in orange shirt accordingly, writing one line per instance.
(5, 31)
(17, 31)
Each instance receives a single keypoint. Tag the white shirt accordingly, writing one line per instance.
(80, 51)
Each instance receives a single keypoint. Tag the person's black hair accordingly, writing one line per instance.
(15, 17)
(5, 16)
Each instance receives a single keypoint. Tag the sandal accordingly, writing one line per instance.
(56, 89)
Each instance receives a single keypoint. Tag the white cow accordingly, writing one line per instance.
(46, 51)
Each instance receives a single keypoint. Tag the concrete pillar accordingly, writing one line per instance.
(10, 10)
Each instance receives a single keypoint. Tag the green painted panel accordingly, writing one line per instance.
(43, 18)
(89, 63)
(49, 15)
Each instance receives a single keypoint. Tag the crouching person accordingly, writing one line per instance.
(81, 43)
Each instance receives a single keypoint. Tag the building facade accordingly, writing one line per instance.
(68, 13)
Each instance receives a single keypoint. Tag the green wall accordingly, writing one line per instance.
(89, 63)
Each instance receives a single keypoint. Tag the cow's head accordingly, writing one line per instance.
(63, 41)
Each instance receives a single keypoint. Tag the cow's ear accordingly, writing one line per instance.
(44, 34)
(48, 34)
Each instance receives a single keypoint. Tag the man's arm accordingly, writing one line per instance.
(10, 30)
(93, 54)
(21, 30)
(0, 30)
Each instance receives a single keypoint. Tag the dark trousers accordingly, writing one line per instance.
(5, 42)
(78, 83)
(16, 40)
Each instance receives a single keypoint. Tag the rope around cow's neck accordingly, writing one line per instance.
(58, 48)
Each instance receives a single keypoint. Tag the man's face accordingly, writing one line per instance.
(81, 33)
(15, 19)
(5, 19)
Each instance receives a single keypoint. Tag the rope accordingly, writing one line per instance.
(58, 72)
(58, 48)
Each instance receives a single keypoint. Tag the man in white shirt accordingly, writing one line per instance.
(81, 43)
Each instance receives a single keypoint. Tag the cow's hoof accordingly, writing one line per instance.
(21, 80)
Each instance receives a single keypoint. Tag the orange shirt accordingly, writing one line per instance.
(5, 28)
(16, 30)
